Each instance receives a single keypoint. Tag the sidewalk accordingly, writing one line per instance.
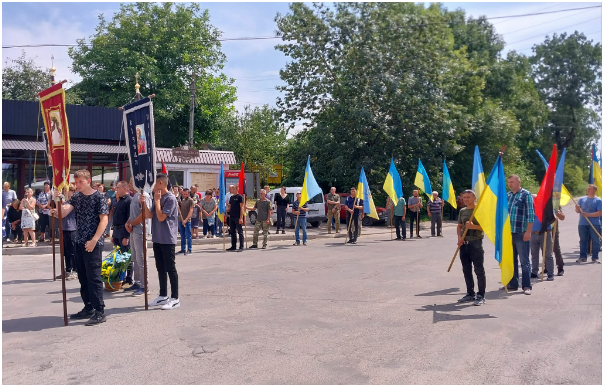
(313, 233)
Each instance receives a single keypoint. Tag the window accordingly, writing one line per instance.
(317, 199)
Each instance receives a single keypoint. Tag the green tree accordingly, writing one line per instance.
(22, 79)
(567, 71)
(166, 44)
(256, 137)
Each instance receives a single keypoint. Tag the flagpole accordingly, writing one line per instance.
(554, 232)
(245, 218)
(54, 256)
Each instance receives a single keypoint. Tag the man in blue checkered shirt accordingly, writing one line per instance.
(521, 216)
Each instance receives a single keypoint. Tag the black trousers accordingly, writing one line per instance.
(400, 223)
(165, 261)
(281, 214)
(354, 220)
(236, 228)
(413, 221)
(119, 234)
(89, 274)
(69, 249)
(473, 253)
(44, 223)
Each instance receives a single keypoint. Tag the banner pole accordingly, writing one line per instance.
(61, 247)
(223, 237)
(144, 254)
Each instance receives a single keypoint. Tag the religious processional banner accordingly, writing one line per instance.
(52, 105)
(139, 127)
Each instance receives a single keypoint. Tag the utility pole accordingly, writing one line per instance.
(192, 117)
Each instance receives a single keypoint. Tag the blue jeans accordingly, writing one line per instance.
(587, 234)
(521, 249)
(301, 223)
(218, 226)
(207, 227)
(186, 237)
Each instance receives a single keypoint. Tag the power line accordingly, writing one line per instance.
(280, 37)
(540, 10)
(546, 22)
(527, 48)
(542, 34)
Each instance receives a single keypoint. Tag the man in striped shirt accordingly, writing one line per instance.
(521, 217)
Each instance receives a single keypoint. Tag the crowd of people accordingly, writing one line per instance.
(90, 215)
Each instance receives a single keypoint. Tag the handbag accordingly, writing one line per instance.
(35, 215)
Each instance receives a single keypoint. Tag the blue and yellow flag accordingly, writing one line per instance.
(448, 193)
(222, 194)
(492, 214)
(393, 183)
(595, 172)
(478, 180)
(565, 196)
(364, 192)
(310, 188)
(422, 180)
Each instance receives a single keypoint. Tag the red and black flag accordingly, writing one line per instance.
(543, 203)
(242, 180)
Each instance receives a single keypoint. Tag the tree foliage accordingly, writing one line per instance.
(166, 44)
(22, 79)
(381, 80)
(255, 136)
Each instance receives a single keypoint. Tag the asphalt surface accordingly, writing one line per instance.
(379, 312)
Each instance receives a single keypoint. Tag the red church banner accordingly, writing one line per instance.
(52, 104)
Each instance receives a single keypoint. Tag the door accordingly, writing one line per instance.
(205, 181)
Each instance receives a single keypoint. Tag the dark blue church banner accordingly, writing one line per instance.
(139, 128)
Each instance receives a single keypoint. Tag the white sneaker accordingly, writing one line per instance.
(159, 301)
(172, 303)
(527, 291)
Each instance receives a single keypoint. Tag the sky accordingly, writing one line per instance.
(255, 64)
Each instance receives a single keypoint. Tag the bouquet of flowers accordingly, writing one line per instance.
(114, 267)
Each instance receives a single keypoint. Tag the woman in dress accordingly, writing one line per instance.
(28, 223)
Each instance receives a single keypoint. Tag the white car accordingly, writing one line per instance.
(316, 206)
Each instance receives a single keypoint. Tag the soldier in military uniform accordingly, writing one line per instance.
(334, 206)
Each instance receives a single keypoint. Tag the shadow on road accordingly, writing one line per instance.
(455, 290)
(31, 324)
(439, 314)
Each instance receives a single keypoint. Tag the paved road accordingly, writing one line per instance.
(379, 312)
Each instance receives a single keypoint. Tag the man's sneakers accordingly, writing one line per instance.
(159, 301)
(231, 249)
(479, 300)
(527, 291)
(171, 303)
(595, 261)
(305, 244)
(263, 247)
(398, 238)
(560, 273)
(253, 246)
(138, 292)
(134, 287)
(467, 298)
(97, 318)
(550, 278)
(581, 260)
(534, 275)
(82, 314)
(296, 244)
(181, 252)
(189, 252)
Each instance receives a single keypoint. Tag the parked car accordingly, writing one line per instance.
(366, 221)
(315, 216)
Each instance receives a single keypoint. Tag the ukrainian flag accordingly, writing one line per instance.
(565, 195)
(222, 194)
(310, 188)
(448, 193)
(422, 180)
(478, 181)
(393, 184)
(595, 172)
(364, 192)
(493, 215)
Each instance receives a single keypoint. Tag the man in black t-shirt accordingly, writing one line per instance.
(91, 217)
(236, 218)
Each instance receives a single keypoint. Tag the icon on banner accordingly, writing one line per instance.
(56, 130)
(141, 139)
